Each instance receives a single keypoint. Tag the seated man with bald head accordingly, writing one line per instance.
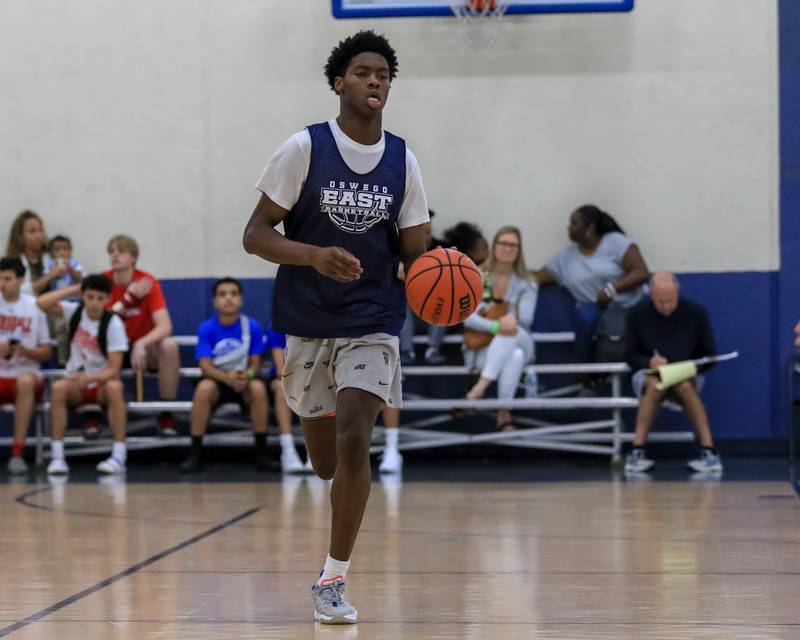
(661, 329)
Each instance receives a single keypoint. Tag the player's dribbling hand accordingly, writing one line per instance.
(336, 263)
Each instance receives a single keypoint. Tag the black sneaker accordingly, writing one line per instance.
(192, 464)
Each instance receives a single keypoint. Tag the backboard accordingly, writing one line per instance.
(420, 8)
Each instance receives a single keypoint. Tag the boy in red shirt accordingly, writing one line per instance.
(136, 296)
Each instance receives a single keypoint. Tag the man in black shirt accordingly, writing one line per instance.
(667, 328)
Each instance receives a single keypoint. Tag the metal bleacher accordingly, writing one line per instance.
(592, 436)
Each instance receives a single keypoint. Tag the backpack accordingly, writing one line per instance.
(610, 335)
(102, 332)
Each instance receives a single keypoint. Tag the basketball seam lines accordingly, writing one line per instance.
(466, 280)
(441, 266)
(452, 288)
(431, 290)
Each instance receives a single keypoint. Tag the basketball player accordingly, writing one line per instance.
(352, 203)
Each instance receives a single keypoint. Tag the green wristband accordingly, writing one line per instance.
(495, 327)
(250, 374)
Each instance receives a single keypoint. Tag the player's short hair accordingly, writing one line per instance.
(226, 280)
(9, 263)
(58, 238)
(97, 282)
(350, 47)
(124, 243)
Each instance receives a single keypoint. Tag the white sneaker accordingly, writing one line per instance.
(58, 467)
(17, 465)
(112, 466)
(391, 461)
(308, 467)
(708, 462)
(290, 461)
(637, 462)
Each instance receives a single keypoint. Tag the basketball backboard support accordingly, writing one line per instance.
(422, 8)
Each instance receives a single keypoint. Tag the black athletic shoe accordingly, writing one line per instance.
(192, 464)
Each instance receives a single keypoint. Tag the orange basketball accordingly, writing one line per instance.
(444, 286)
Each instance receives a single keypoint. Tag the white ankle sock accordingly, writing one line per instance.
(392, 437)
(334, 569)
(287, 441)
(119, 451)
(57, 449)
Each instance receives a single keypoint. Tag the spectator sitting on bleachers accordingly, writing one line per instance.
(28, 242)
(60, 255)
(469, 240)
(661, 329)
(601, 267)
(97, 347)
(229, 350)
(506, 281)
(290, 461)
(138, 299)
(24, 344)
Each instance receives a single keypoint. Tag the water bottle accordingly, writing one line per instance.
(531, 383)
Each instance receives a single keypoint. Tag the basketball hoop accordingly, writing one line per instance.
(478, 22)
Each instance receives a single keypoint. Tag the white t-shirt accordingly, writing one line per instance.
(22, 320)
(285, 174)
(585, 276)
(85, 348)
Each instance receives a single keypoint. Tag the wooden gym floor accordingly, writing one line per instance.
(599, 560)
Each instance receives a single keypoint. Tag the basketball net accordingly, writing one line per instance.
(478, 22)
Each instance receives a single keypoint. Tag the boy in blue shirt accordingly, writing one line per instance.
(229, 349)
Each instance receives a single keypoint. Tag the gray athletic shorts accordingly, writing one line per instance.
(317, 368)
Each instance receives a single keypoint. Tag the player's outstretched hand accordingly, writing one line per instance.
(336, 263)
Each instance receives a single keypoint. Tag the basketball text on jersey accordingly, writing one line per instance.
(355, 207)
(15, 324)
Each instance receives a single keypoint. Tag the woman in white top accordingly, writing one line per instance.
(602, 266)
(507, 280)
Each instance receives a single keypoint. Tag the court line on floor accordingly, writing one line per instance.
(24, 501)
(42, 613)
